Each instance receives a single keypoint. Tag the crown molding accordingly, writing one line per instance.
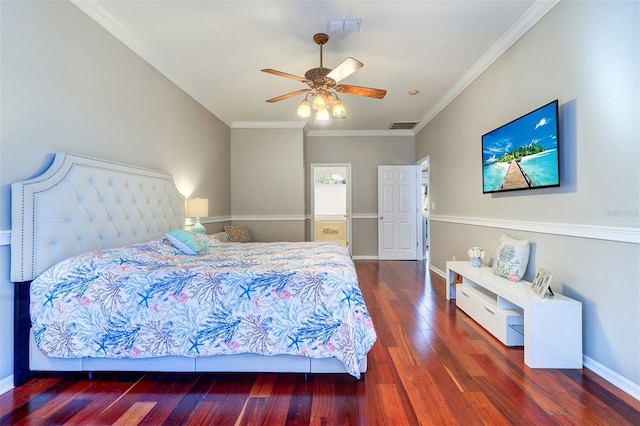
(303, 125)
(517, 30)
(368, 133)
(99, 14)
(268, 124)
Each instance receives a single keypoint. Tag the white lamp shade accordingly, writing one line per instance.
(304, 110)
(198, 207)
(318, 103)
(339, 110)
(322, 115)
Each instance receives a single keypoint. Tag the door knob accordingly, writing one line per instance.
(381, 217)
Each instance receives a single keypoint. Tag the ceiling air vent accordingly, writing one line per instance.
(403, 125)
(343, 25)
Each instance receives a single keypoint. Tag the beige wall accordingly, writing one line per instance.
(274, 230)
(268, 181)
(364, 233)
(68, 85)
(586, 55)
(364, 153)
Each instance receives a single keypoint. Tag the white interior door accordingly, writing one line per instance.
(397, 212)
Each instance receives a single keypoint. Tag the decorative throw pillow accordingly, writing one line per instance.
(238, 234)
(188, 242)
(512, 257)
(222, 237)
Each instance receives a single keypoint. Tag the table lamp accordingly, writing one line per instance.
(198, 207)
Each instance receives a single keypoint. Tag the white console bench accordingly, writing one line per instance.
(549, 328)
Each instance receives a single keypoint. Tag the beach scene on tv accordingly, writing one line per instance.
(522, 154)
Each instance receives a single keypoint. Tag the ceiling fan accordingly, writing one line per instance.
(324, 87)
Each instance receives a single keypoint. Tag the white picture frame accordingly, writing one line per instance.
(541, 283)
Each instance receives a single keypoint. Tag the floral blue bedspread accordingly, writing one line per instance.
(150, 300)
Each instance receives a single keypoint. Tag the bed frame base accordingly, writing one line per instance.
(237, 363)
(22, 323)
(28, 359)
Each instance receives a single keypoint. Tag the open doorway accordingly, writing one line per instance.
(424, 180)
(331, 203)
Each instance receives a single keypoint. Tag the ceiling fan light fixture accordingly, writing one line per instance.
(339, 110)
(304, 110)
(323, 115)
(318, 103)
(322, 94)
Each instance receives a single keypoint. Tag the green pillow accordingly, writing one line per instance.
(188, 242)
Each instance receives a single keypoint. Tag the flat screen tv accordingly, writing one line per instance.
(523, 154)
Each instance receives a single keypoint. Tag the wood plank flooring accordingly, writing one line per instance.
(431, 365)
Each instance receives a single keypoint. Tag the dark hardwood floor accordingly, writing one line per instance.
(431, 365)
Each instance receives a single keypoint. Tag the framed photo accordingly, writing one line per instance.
(540, 284)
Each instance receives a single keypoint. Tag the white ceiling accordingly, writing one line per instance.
(214, 50)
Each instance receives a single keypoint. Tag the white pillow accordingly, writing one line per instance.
(222, 237)
(512, 257)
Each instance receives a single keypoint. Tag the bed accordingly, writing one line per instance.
(102, 284)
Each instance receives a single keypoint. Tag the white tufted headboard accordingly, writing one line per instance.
(82, 204)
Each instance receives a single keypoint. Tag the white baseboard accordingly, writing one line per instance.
(610, 376)
(6, 384)
(365, 257)
(438, 271)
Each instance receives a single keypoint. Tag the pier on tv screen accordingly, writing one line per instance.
(523, 154)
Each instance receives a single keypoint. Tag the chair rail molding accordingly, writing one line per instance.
(237, 217)
(599, 232)
(364, 215)
(212, 219)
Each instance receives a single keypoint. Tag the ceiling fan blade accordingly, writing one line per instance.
(284, 74)
(288, 95)
(361, 91)
(345, 69)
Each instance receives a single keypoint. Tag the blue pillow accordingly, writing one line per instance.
(188, 242)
